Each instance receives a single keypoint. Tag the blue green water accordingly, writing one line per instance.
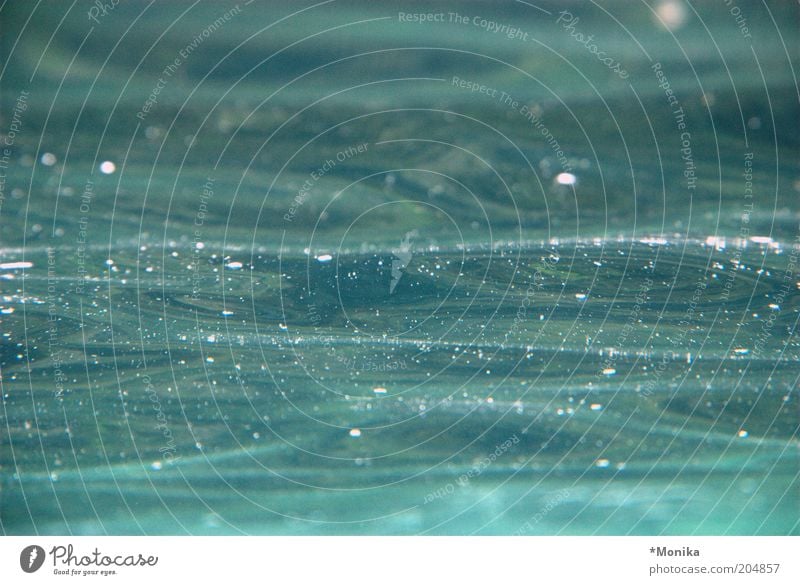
(276, 268)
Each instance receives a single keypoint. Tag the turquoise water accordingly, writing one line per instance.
(278, 269)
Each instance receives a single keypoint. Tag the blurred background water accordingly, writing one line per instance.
(336, 268)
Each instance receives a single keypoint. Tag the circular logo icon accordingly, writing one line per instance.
(31, 558)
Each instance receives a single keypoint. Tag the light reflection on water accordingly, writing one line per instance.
(380, 302)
